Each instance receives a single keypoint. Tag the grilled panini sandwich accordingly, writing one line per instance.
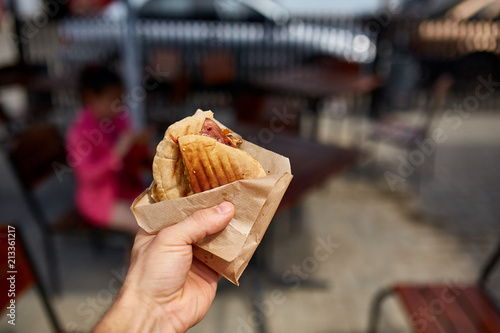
(197, 155)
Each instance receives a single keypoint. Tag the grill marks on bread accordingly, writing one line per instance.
(196, 155)
(211, 164)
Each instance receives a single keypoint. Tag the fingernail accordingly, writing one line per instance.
(224, 208)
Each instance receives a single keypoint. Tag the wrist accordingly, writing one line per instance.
(130, 313)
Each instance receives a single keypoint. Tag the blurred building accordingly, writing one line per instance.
(424, 39)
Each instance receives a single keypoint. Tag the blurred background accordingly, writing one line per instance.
(387, 110)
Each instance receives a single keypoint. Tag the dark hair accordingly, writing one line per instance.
(96, 79)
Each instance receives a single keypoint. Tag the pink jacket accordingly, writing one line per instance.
(97, 168)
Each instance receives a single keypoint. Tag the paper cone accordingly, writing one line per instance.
(256, 200)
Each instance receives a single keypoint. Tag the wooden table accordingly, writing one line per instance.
(316, 83)
(312, 162)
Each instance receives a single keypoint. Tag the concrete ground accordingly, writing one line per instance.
(377, 237)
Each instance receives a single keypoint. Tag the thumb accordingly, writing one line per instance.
(197, 226)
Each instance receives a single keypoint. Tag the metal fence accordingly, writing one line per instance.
(419, 51)
(254, 49)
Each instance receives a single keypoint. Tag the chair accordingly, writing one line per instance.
(36, 155)
(443, 308)
(407, 136)
(26, 275)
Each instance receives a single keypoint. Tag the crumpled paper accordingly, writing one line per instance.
(256, 200)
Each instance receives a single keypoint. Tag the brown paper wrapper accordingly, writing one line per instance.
(256, 200)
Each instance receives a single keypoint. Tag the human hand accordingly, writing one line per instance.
(166, 289)
(124, 143)
(128, 139)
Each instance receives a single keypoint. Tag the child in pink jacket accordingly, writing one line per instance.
(106, 156)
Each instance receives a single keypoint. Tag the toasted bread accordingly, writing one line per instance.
(188, 161)
(211, 164)
(168, 168)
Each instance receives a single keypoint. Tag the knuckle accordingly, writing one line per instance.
(162, 235)
(204, 217)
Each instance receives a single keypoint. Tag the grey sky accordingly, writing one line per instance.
(342, 6)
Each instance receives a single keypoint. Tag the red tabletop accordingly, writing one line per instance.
(312, 162)
(318, 82)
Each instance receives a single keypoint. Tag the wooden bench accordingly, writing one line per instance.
(445, 308)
